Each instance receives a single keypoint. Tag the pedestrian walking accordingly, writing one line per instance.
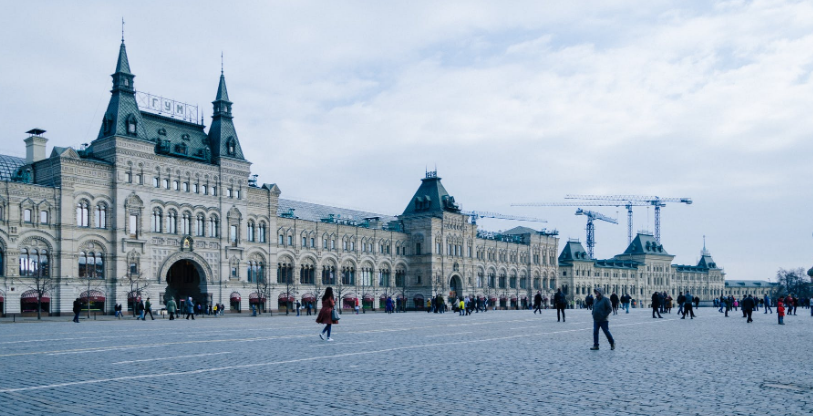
(687, 307)
(298, 307)
(601, 315)
(357, 306)
(172, 308)
(681, 299)
(748, 307)
(117, 308)
(625, 302)
(326, 315)
(614, 302)
(190, 309)
(560, 302)
(148, 310)
(140, 309)
(77, 309)
(537, 302)
(656, 305)
(780, 311)
(462, 306)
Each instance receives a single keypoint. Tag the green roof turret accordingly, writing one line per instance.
(122, 117)
(222, 135)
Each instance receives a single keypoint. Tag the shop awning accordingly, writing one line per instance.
(418, 296)
(369, 297)
(285, 298)
(31, 297)
(256, 298)
(503, 297)
(92, 296)
(493, 299)
(349, 296)
(235, 296)
(383, 297)
(308, 297)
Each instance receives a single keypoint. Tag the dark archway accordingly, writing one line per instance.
(184, 280)
(456, 287)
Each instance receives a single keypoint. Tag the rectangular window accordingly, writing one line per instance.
(203, 189)
(418, 249)
(133, 226)
(304, 242)
(27, 215)
(186, 186)
(290, 240)
(352, 246)
(175, 185)
(214, 190)
(228, 192)
(332, 244)
(281, 239)
(128, 177)
(155, 182)
(166, 183)
(237, 194)
(324, 244)
(250, 233)
(313, 241)
(43, 217)
(233, 234)
(133, 269)
(139, 179)
(195, 188)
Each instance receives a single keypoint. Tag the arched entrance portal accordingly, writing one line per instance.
(184, 281)
(455, 287)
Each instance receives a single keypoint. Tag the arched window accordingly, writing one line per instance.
(250, 231)
(328, 275)
(34, 263)
(212, 226)
(348, 275)
(231, 147)
(156, 221)
(480, 279)
(285, 273)
(199, 222)
(2, 262)
(263, 233)
(131, 125)
(91, 265)
(100, 216)
(186, 223)
(384, 277)
(82, 215)
(502, 281)
(172, 222)
(306, 274)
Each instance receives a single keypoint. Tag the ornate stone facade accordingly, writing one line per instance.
(158, 207)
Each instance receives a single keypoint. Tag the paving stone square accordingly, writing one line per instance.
(499, 362)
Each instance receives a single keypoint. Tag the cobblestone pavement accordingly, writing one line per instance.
(500, 362)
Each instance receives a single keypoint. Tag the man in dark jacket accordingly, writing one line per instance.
(680, 300)
(601, 313)
(687, 306)
(77, 308)
(625, 302)
(537, 302)
(614, 303)
(559, 301)
(748, 307)
(655, 305)
(588, 302)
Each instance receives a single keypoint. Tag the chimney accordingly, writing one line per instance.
(35, 146)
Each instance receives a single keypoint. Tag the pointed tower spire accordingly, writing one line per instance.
(222, 135)
(122, 117)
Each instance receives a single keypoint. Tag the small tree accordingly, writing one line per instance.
(263, 286)
(341, 286)
(793, 281)
(42, 284)
(90, 282)
(137, 287)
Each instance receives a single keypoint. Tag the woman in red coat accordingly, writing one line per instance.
(326, 314)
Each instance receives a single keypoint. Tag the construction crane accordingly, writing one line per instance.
(591, 228)
(628, 201)
(627, 205)
(485, 214)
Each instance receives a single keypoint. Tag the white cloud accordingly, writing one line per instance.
(344, 101)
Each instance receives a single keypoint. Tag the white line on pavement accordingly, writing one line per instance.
(170, 358)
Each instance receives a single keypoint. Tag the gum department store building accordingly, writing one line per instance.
(156, 206)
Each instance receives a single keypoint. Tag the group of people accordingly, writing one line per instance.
(616, 302)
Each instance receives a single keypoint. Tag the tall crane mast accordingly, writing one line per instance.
(629, 201)
(591, 228)
(627, 205)
(486, 214)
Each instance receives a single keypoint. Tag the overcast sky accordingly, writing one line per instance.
(346, 103)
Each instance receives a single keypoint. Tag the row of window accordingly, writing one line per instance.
(307, 276)
(83, 212)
